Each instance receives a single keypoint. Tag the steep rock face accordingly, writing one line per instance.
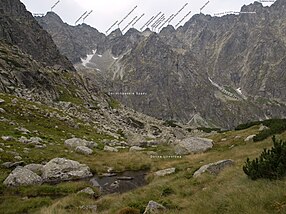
(75, 42)
(18, 27)
(246, 51)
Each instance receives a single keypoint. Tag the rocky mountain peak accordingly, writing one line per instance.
(53, 17)
(115, 34)
(18, 27)
(12, 7)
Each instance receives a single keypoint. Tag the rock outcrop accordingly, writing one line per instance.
(213, 71)
(165, 172)
(61, 169)
(18, 27)
(193, 145)
(154, 208)
(22, 176)
(214, 168)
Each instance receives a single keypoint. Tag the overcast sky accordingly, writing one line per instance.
(107, 12)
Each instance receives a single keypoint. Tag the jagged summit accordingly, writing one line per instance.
(19, 28)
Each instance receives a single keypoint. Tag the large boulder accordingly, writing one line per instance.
(193, 145)
(165, 172)
(213, 168)
(154, 208)
(75, 142)
(61, 169)
(22, 176)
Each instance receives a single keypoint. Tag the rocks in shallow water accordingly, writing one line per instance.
(108, 174)
(110, 149)
(193, 145)
(136, 149)
(83, 150)
(95, 183)
(124, 178)
(2, 110)
(2, 101)
(21, 176)
(165, 172)
(75, 142)
(61, 169)
(1, 150)
(249, 138)
(154, 208)
(213, 168)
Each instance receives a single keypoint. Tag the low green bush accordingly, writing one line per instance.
(270, 165)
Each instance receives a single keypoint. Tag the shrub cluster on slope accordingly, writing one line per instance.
(270, 165)
(276, 126)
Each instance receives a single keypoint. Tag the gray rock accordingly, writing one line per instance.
(136, 149)
(1, 150)
(165, 172)
(61, 169)
(2, 101)
(108, 174)
(36, 168)
(213, 168)
(23, 139)
(23, 130)
(95, 183)
(9, 165)
(13, 153)
(35, 140)
(125, 178)
(90, 208)
(7, 138)
(110, 149)
(40, 146)
(18, 157)
(2, 110)
(14, 101)
(83, 150)
(262, 128)
(154, 208)
(193, 145)
(152, 153)
(115, 185)
(249, 138)
(21, 176)
(88, 191)
(75, 142)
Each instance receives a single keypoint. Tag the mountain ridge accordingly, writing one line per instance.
(237, 60)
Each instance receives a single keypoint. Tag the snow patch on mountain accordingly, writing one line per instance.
(88, 58)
